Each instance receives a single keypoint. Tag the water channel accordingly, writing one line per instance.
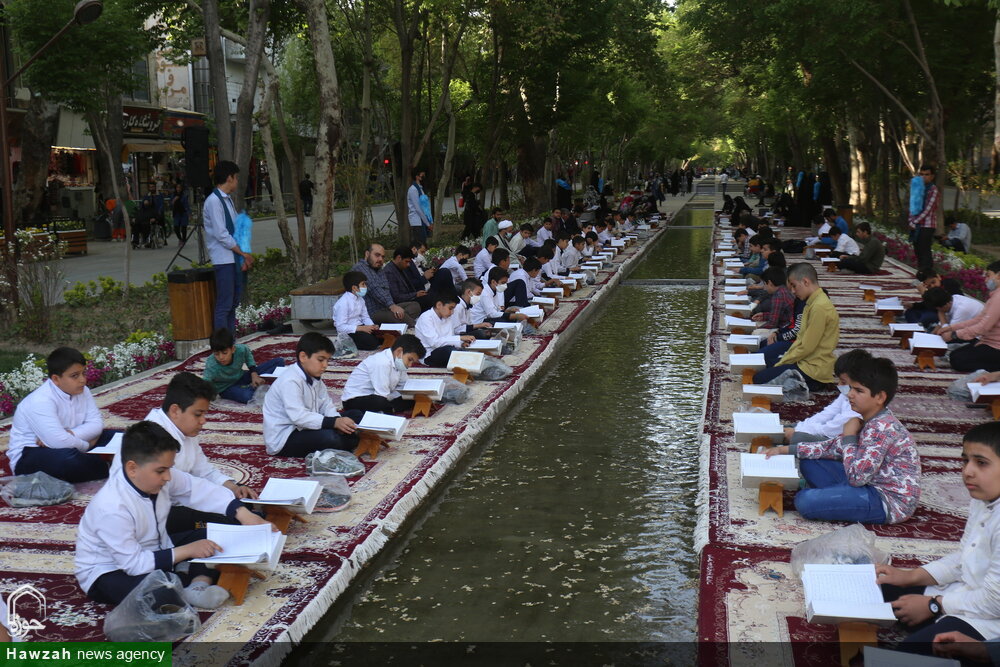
(573, 520)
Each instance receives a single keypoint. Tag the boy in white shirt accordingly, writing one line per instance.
(550, 269)
(569, 259)
(545, 233)
(374, 384)
(531, 243)
(603, 235)
(591, 245)
(436, 330)
(491, 307)
(843, 243)
(123, 534)
(55, 425)
(499, 258)
(350, 315)
(472, 291)
(455, 265)
(484, 257)
(829, 422)
(951, 308)
(299, 417)
(528, 274)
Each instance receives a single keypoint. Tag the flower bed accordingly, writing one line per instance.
(250, 319)
(967, 269)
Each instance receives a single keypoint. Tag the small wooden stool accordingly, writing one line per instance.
(421, 405)
(740, 349)
(760, 442)
(748, 374)
(388, 340)
(236, 580)
(567, 290)
(996, 408)
(761, 402)
(282, 518)
(460, 374)
(831, 267)
(853, 637)
(904, 339)
(925, 359)
(769, 497)
(888, 317)
(869, 295)
(369, 444)
(738, 330)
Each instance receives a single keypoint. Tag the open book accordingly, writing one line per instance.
(757, 468)
(507, 325)
(736, 282)
(494, 346)
(736, 298)
(837, 593)
(750, 425)
(733, 289)
(113, 447)
(245, 545)
(740, 361)
(296, 495)
(541, 301)
(552, 291)
(865, 287)
(743, 308)
(532, 311)
(897, 328)
(577, 276)
(389, 427)
(732, 322)
(772, 390)
(568, 282)
(470, 361)
(275, 373)
(988, 391)
(746, 340)
(891, 303)
(432, 388)
(926, 341)
(397, 328)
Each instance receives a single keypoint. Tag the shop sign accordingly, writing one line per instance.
(141, 122)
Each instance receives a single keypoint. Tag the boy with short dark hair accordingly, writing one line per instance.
(742, 239)
(781, 307)
(299, 417)
(870, 473)
(829, 422)
(374, 384)
(471, 293)
(55, 425)
(455, 265)
(951, 308)
(436, 330)
(484, 257)
(224, 367)
(350, 314)
(123, 535)
(528, 275)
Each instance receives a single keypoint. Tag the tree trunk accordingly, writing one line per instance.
(504, 186)
(217, 79)
(296, 167)
(105, 146)
(38, 133)
(834, 169)
(449, 161)
(109, 168)
(274, 169)
(530, 166)
(260, 13)
(995, 153)
(328, 135)
(363, 170)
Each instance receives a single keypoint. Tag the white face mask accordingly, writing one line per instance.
(419, 259)
(843, 388)
(400, 366)
(475, 299)
(501, 289)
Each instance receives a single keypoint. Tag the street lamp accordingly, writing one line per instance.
(85, 11)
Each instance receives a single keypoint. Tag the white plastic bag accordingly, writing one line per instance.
(959, 389)
(344, 347)
(155, 611)
(494, 369)
(454, 392)
(336, 493)
(334, 462)
(35, 490)
(850, 545)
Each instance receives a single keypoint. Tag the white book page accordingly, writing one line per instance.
(398, 328)
(423, 386)
(874, 288)
(732, 321)
(531, 311)
(743, 339)
(760, 423)
(275, 373)
(288, 491)
(377, 421)
(927, 341)
(470, 361)
(543, 300)
(249, 542)
(114, 446)
(893, 327)
(989, 389)
(492, 345)
(763, 390)
(781, 466)
(841, 583)
(754, 360)
(889, 303)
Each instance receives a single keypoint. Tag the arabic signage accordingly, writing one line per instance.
(141, 121)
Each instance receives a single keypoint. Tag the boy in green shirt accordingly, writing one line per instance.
(224, 369)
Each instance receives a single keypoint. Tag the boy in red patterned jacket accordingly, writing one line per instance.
(871, 472)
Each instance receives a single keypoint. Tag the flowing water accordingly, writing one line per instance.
(574, 520)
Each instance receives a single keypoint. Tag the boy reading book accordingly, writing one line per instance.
(491, 306)
(455, 265)
(57, 423)
(299, 417)
(871, 472)
(224, 368)
(436, 330)
(373, 384)
(485, 257)
(123, 533)
(471, 293)
(780, 301)
(829, 422)
(350, 314)
(959, 593)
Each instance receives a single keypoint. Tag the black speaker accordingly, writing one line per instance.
(195, 142)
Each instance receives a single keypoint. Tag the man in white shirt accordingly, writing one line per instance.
(373, 386)
(299, 417)
(219, 217)
(845, 245)
(55, 425)
(436, 330)
(724, 181)
(420, 226)
(959, 236)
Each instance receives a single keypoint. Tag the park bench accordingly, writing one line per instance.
(312, 305)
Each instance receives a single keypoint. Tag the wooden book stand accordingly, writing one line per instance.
(760, 442)
(995, 404)
(460, 374)
(282, 518)
(236, 580)
(740, 349)
(738, 330)
(369, 444)
(904, 339)
(853, 637)
(925, 359)
(567, 290)
(888, 317)
(831, 267)
(769, 497)
(388, 340)
(869, 295)
(421, 405)
(748, 374)
(761, 402)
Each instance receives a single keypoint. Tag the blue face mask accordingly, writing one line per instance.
(362, 291)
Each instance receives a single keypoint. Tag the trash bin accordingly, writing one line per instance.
(192, 302)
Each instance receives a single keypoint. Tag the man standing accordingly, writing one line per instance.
(419, 224)
(925, 222)
(306, 189)
(219, 216)
(379, 300)
(724, 180)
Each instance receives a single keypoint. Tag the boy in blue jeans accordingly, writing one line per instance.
(224, 369)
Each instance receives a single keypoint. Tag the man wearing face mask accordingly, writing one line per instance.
(506, 228)
(374, 384)
(829, 422)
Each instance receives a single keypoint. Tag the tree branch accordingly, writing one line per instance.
(916, 124)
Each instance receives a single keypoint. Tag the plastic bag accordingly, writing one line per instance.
(511, 339)
(494, 369)
(850, 545)
(243, 234)
(334, 462)
(36, 489)
(344, 347)
(336, 493)
(258, 396)
(154, 611)
(959, 389)
(454, 392)
(793, 386)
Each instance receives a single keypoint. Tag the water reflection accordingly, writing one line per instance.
(576, 522)
(682, 253)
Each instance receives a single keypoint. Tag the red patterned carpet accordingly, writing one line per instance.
(322, 556)
(747, 592)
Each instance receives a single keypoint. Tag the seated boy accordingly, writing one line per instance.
(571, 252)
(742, 240)
(123, 533)
(350, 314)
(871, 472)
(781, 306)
(224, 368)
(591, 245)
(957, 593)
(374, 384)
(523, 243)
(843, 243)
(436, 331)
(829, 422)
(550, 270)
(492, 307)
(472, 291)
(603, 235)
(812, 352)
(527, 275)
(919, 313)
(951, 308)
(299, 417)
(484, 257)
(454, 266)
(55, 425)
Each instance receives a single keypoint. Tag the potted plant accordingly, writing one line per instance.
(73, 234)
